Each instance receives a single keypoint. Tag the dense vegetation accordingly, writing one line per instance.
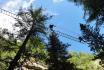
(37, 46)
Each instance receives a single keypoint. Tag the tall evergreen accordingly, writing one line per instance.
(94, 39)
(93, 10)
(58, 55)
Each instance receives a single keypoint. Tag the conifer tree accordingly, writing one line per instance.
(94, 39)
(58, 54)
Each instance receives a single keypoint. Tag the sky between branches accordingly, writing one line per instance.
(67, 17)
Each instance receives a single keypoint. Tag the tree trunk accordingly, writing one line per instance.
(14, 62)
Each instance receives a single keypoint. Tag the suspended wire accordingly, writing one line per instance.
(15, 16)
(69, 31)
(69, 37)
(9, 13)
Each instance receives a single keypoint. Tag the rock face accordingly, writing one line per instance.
(28, 65)
(33, 66)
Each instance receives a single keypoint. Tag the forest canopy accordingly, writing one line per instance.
(39, 45)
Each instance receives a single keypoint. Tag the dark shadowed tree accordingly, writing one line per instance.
(94, 39)
(58, 54)
(93, 10)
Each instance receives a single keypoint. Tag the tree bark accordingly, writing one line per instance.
(14, 62)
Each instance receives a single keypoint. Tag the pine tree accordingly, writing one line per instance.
(94, 39)
(57, 54)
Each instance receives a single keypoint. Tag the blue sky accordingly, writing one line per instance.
(67, 17)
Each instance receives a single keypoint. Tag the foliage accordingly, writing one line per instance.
(36, 50)
(58, 55)
(31, 26)
(7, 53)
(93, 8)
(8, 49)
(84, 61)
(29, 18)
(35, 53)
(93, 38)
